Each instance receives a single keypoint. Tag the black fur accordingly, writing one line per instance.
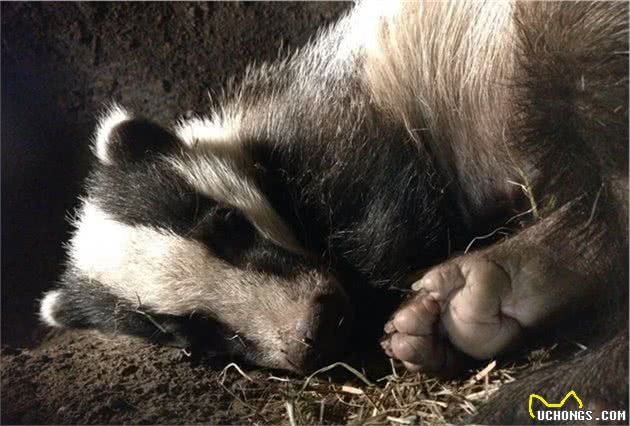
(372, 205)
(148, 138)
(148, 193)
(88, 305)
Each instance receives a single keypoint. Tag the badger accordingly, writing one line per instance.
(470, 155)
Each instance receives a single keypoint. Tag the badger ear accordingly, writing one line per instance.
(121, 137)
(86, 306)
(49, 307)
(69, 308)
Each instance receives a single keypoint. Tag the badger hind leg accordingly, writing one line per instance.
(599, 377)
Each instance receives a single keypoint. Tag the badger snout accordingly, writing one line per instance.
(318, 335)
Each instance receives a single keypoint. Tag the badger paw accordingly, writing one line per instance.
(459, 307)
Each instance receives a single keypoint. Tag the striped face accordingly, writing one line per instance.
(176, 242)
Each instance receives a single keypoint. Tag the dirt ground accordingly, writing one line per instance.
(84, 378)
(80, 379)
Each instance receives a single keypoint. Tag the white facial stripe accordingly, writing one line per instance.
(110, 119)
(142, 264)
(162, 270)
(203, 130)
(47, 308)
(220, 179)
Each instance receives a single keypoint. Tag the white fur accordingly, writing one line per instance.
(203, 130)
(108, 121)
(47, 308)
(360, 28)
(138, 263)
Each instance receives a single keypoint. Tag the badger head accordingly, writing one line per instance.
(176, 242)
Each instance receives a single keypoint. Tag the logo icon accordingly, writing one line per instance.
(569, 394)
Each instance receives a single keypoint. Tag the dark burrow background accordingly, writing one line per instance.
(61, 64)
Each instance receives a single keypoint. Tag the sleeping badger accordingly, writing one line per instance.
(472, 153)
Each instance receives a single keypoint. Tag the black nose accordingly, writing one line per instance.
(320, 335)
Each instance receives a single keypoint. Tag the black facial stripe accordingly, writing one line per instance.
(264, 256)
(151, 194)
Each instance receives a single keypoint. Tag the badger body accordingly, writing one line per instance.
(378, 150)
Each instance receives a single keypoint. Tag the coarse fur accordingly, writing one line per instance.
(320, 183)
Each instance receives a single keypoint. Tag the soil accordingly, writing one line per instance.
(84, 379)
(61, 64)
